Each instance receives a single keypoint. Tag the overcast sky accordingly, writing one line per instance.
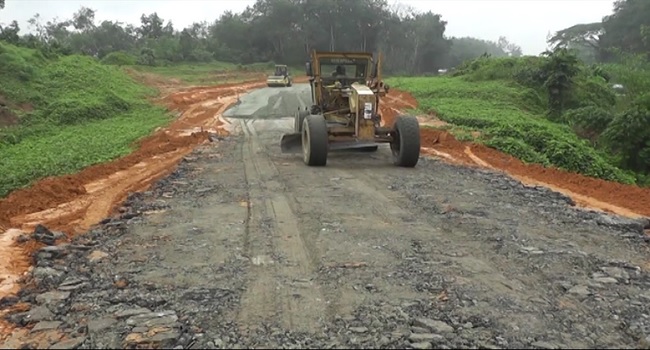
(524, 22)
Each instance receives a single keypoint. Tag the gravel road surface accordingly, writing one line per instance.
(244, 247)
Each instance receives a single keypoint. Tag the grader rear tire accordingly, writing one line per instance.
(406, 143)
(314, 140)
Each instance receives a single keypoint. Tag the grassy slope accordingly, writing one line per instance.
(83, 113)
(511, 119)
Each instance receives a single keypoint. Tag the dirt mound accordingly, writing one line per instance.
(394, 103)
(44, 194)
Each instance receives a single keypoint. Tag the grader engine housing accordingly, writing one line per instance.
(362, 105)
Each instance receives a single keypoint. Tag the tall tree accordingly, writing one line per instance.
(579, 34)
(10, 33)
(511, 49)
(624, 29)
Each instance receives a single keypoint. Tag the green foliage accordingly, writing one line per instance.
(570, 93)
(626, 29)
(119, 58)
(67, 111)
(633, 72)
(576, 86)
(559, 70)
(588, 122)
(628, 135)
(502, 112)
(83, 113)
(67, 149)
(18, 67)
(519, 149)
(591, 90)
(526, 71)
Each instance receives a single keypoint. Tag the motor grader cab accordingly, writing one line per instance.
(280, 77)
(346, 89)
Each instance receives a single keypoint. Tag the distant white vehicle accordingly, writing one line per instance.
(442, 71)
(619, 89)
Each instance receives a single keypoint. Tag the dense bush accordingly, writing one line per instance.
(588, 122)
(628, 135)
(119, 58)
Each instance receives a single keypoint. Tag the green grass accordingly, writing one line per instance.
(511, 119)
(190, 73)
(69, 149)
(84, 113)
(211, 73)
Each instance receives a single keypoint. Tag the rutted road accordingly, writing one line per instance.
(245, 247)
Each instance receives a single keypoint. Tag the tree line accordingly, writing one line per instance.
(625, 30)
(282, 31)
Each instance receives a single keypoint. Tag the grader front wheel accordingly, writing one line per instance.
(406, 141)
(314, 140)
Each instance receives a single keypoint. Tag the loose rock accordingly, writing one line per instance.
(433, 325)
(72, 343)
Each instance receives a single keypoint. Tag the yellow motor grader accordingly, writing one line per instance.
(346, 88)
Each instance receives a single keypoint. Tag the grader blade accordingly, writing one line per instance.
(351, 146)
(291, 143)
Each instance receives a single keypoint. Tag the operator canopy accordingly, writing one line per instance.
(340, 71)
(280, 70)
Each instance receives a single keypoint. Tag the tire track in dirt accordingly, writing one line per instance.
(282, 286)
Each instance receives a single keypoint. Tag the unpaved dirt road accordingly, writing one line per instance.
(242, 247)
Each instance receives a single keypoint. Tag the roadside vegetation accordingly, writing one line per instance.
(583, 106)
(570, 118)
(67, 113)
